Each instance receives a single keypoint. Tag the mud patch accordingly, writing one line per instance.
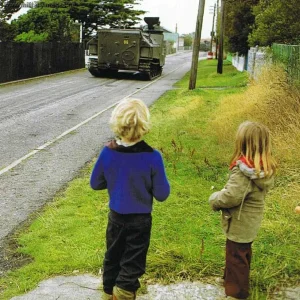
(10, 258)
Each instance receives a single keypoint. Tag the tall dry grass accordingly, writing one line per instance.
(273, 101)
(270, 100)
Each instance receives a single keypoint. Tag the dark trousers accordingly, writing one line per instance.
(127, 241)
(237, 269)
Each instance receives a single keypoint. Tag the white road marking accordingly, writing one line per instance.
(38, 149)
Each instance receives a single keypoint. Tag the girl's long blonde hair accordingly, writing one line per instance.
(253, 141)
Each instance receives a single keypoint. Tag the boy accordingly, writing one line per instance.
(133, 173)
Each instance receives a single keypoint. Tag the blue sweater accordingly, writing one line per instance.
(132, 175)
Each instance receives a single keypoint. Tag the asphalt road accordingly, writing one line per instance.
(51, 127)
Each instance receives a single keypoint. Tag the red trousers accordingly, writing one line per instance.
(237, 269)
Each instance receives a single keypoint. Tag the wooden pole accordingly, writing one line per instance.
(217, 30)
(212, 34)
(221, 42)
(196, 46)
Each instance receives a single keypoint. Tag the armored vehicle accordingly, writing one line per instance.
(140, 49)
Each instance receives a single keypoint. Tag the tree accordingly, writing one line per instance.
(120, 13)
(276, 21)
(86, 12)
(239, 20)
(187, 40)
(92, 13)
(43, 23)
(32, 37)
(7, 31)
(7, 8)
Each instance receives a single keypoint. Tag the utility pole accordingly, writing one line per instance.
(217, 31)
(212, 34)
(196, 46)
(221, 42)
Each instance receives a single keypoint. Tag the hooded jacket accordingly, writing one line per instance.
(242, 202)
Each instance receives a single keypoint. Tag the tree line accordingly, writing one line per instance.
(53, 20)
(260, 22)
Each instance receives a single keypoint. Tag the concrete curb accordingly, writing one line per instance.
(88, 287)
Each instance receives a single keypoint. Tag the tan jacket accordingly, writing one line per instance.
(242, 203)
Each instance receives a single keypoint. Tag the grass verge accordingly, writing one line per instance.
(194, 130)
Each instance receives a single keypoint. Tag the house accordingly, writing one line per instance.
(172, 37)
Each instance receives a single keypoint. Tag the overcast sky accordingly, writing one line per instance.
(182, 12)
(172, 12)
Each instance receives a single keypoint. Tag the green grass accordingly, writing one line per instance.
(208, 77)
(187, 241)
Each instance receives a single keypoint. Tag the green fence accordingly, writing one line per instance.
(229, 57)
(289, 55)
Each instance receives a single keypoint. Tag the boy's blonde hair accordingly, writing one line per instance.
(130, 119)
(253, 141)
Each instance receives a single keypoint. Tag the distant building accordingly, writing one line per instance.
(172, 37)
(181, 43)
(204, 43)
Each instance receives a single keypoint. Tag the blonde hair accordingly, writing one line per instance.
(253, 141)
(130, 119)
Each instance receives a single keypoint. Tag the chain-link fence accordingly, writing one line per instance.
(257, 59)
(289, 55)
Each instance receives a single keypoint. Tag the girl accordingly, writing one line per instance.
(134, 174)
(242, 202)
